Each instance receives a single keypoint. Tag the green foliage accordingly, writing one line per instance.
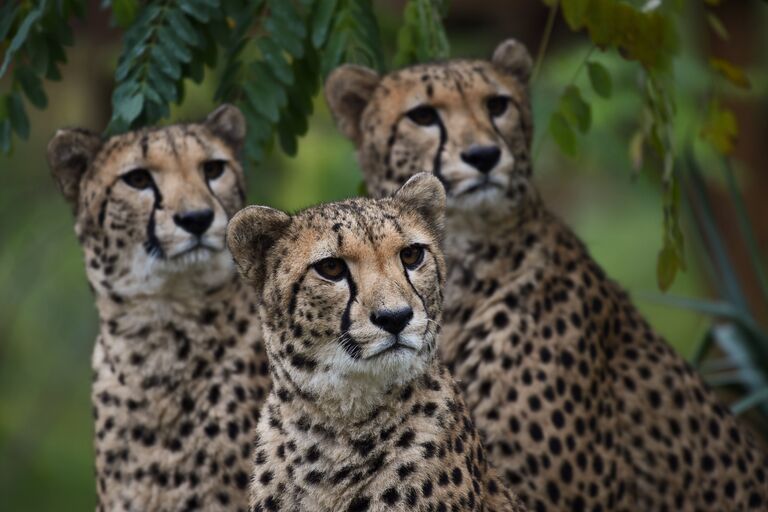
(275, 54)
(648, 36)
(33, 35)
(600, 79)
(421, 37)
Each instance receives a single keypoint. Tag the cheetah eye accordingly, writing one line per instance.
(212, 169)
(412, 256)
(423, 115)
(497, 105)
(139, 179)
(333, 269)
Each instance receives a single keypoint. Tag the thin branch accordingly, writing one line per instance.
(545, 39)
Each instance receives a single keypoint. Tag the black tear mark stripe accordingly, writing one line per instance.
(437, 162)
(423, 302)
(152, 244)
(144, 142)
(103, 207)
(348, 343)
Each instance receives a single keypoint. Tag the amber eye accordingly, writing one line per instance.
(423, 116)
(331, 268)
(497, 105)
(212, 169)
(138, 178)
(412, 256)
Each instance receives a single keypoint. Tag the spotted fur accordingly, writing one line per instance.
(180, 370)
(361, 416)
(581, 405)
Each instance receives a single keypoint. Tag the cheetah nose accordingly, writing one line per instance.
(195, 222)
(482, 158)
(392, 321)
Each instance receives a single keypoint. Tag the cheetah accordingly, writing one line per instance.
(179, 366)
(580, 404)
(361, 416)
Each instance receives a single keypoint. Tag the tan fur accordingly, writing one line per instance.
(179, 365)
(354, 422)
(580, 404)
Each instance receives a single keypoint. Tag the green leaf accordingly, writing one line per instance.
(21, 35)
(600, 79)
(5, 136)
(273, 57)
(575, 109)
(130, 108)
(184, 28)
(174, 46)
(164, 62)
(37, 49)
(196, 10)
(287, 18)
(321, 21)
(7, 17)
(284, 38)
(32, 87)
(562, 133)
(18, 116)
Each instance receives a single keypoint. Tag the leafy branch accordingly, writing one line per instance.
(274, 56)
(32, 40)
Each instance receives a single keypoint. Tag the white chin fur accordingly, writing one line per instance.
(482, 199)
(196, 270)
(360, 383)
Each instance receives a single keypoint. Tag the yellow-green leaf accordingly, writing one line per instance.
(636, 150)
(720, 128)
(666, 267)
(717, 26)
(731, 72)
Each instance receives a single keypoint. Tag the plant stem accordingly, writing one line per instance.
(745, 226)
(545, 39)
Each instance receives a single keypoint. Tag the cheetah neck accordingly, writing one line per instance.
(357, 402)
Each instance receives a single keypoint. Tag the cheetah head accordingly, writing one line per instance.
(152, 205)
(351, 291)
(468, 122)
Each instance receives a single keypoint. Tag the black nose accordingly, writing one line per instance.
(195, 222)
(482, 158)
(392, 321)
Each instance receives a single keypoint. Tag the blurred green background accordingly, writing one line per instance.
(47, 319)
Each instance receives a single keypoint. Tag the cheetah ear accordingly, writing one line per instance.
(425, 195)
(251, 233)
(70, 153)
(513, 58)
(348, 90)
(228, 123)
